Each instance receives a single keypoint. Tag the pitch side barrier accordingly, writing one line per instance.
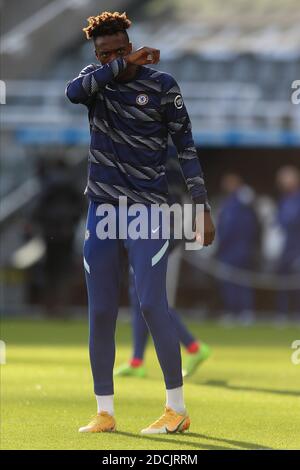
(244, 277)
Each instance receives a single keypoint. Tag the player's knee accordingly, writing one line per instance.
(100, 315)
(148, 308)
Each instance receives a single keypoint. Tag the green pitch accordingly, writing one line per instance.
(247, 395)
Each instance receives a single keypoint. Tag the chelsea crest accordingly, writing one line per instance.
(142, 99)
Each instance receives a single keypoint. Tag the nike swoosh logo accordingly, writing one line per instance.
(168, 431)
(155, 230)
(108, 88)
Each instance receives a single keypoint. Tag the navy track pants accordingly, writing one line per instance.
(103, 271)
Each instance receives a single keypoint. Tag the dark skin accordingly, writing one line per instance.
(110, 47)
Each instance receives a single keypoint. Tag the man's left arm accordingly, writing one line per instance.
(180, 130)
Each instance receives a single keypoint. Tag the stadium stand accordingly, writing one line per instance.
(235, 67)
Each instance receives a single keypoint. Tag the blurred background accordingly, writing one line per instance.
(235, 66)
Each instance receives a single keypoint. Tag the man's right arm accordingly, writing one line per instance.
(91, 79)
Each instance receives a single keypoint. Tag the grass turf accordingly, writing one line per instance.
(245, 397)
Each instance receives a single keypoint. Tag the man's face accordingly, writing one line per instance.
(108, 48)
(288, 179)
(231, 183)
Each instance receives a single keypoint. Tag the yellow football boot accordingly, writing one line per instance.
(102, 422)
(170, 422)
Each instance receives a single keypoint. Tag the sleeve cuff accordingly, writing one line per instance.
(118, 65)
(199, 200)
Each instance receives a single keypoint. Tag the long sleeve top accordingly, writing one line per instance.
(129, 126)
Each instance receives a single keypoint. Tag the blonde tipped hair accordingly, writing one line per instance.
(106, 23)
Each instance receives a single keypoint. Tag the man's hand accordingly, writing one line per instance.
(143, 56)
(209, 229)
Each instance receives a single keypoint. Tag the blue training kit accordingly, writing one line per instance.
(139, 326)
(140, 329)
(289, 262)
(103, 270)
(129, 124)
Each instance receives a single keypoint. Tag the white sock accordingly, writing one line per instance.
(105, 403)
(175, 400)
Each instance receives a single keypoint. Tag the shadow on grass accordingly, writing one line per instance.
(226, 385)
(197, 445)
(239, 444)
